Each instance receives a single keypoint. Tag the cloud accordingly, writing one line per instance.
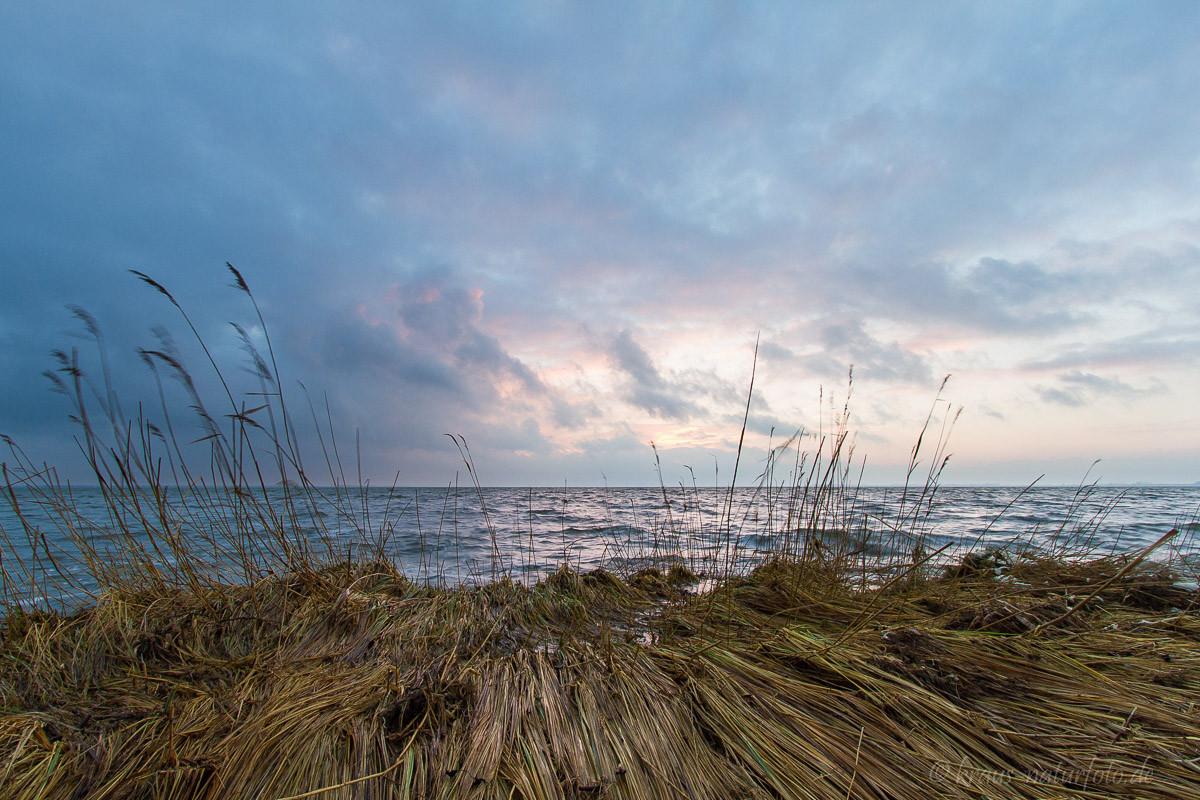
(991, 296)
(423, 347)
(1166, 346)
(439, 315)
(1063, 397)
(436, 207)
(1099, 385)
(647, 388)
(1077, 389)
(831, 348)
(350, 345)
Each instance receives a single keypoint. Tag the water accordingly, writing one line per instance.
(450, 537)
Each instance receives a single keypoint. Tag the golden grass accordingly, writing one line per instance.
(353, 682)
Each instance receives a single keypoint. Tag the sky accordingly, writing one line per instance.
(559, 229)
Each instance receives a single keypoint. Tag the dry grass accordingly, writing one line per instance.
(353, 682)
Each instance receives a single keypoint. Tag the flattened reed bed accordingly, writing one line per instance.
(353, 682)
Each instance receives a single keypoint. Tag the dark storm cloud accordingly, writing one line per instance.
(352, 346)
(439, 315)
(421, 349)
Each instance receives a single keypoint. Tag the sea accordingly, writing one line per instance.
(457, 535)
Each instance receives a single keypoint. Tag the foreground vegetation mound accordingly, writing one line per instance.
(1056, 679)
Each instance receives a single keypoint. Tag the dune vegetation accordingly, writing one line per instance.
(199, 647)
